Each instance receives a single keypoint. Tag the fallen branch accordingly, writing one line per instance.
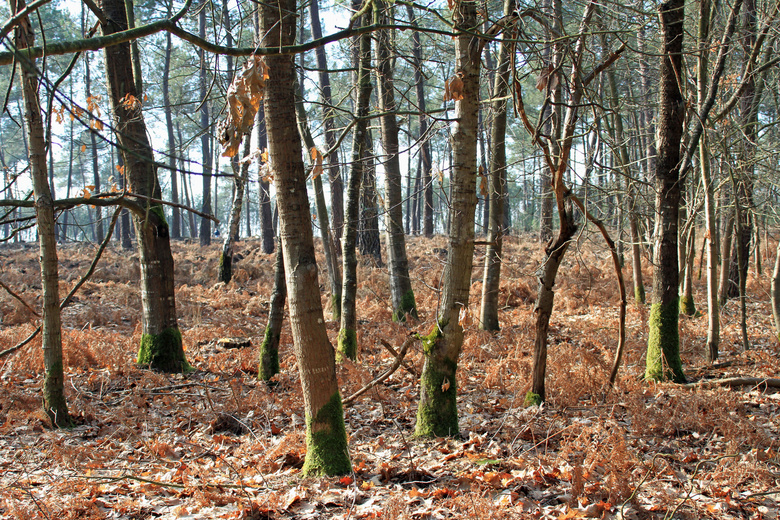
(397, 363)
(409, 368)
(756, 382)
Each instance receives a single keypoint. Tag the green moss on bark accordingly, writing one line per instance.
(327, 452)
(437, 414)
(163, 352)
(225, 268)
(663, 345)
(157, 209)
(54, 403)
(687, 307)
(347, 347)
(639, 294)
(408, 306)
(532, 399)
(335, 307)
(269, 355)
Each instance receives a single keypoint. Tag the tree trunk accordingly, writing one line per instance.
(94, 155)
(326, 438)
(775, 292)
(161, 342)
(347, 345)
(267, 230)
(176, 212)
(497, 190)
(54, 403)
(240, 177)
(437, 414)
(329, 117)
(205, 224)
(663, 348)
(269, 350)
(426, 164)
(328, 245)
(369, 242)
(401, 294)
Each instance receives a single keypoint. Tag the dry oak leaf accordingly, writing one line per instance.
(316, 157)
(243, 100)
(453, 88)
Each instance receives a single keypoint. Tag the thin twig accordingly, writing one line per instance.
(397, 363)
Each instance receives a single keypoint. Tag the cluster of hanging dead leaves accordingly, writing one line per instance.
(220, 444)
(244, 96)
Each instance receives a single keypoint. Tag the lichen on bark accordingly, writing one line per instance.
(663, 346)
(327, 452)
(163, 352)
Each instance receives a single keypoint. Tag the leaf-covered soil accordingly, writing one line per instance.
(218, 443)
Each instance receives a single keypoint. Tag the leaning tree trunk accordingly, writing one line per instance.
(497, 191)
(240, 177)
(269, 350)
(437, 414)
(401, 294)
(331, 256)
(347, 345)
(326, 438)
(161, 342)
(663, 347)
(329, 117)
(54, 402)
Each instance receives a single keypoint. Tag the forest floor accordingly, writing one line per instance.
(218, 443)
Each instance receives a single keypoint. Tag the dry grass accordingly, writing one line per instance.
(643, 448)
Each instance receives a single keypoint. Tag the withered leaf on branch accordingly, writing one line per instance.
(453, 88)
(546, 76)
(316, 157)
(243, 100)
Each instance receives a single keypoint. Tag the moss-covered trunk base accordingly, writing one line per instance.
(269, 355)
(663, 346)
(639, 295)
(687, 306)
(437, 414)
(163, 352)
(408, 306)
(327, 453)
(347, 347)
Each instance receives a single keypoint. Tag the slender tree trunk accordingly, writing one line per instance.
(329, 117)
(426, 165)
(269, 350)
(267, 232)
(326, 438)
(99, 235)
(54, 403)
(497, 190)
(328, 245)
(205, 224)
(401, 294)
(775, 292)
(347, 345)
(176, 212)
(161, 342)
(437, 413)
(240, 177)
(663, 349)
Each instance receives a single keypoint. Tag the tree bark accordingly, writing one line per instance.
(205, 224)
(329, 117)
(54, 403)
(437, 413)
(326, 438)
(161, 342)
(269, 350)
(401, 293)
(497, 190)
(347, 345)
(663, 348)
(176, 212)
(240, 177)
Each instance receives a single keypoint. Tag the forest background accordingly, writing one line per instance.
(644, 139)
